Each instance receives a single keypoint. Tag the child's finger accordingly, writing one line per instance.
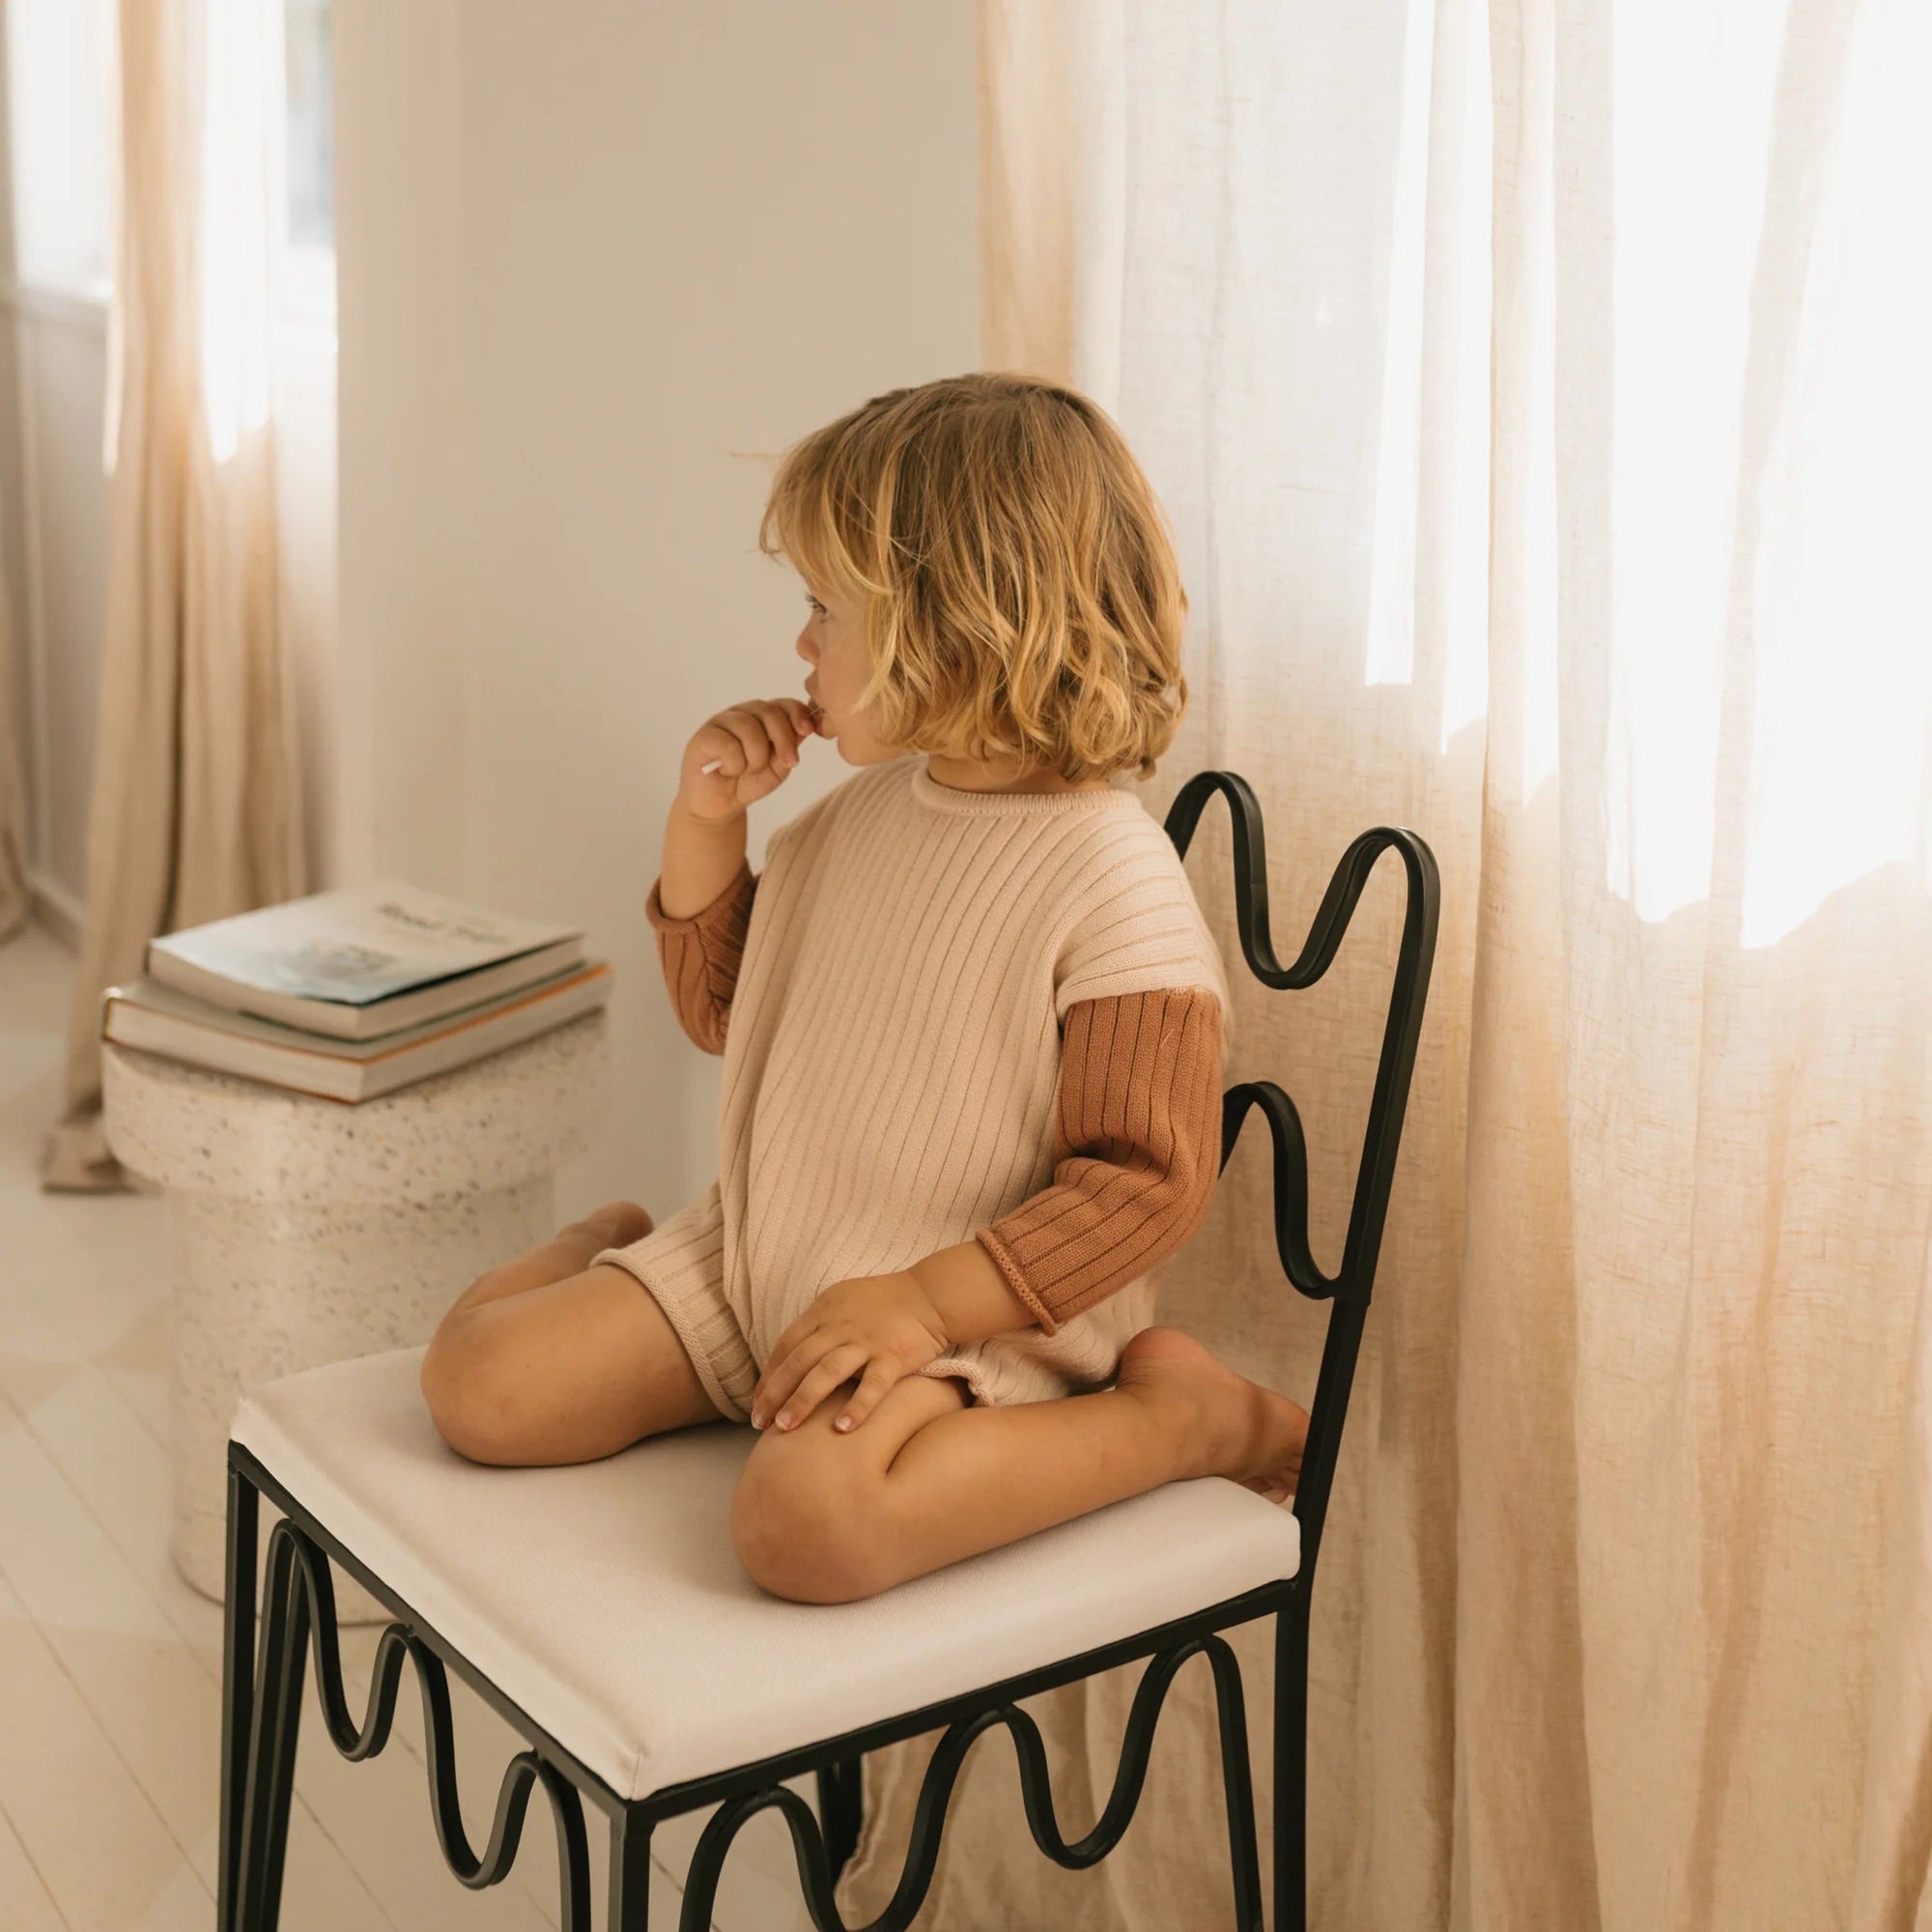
(880, 1375)
(785, 729)
(781, 1348)
(780, 1373)
(783, 1374)
(838, 1366)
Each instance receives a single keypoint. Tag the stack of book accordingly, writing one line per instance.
(352, 993)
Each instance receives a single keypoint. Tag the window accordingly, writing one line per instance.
(311, 118)
(309, 263)
(59, 68)
(57, 109)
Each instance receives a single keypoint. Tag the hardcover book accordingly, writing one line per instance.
(361, 961)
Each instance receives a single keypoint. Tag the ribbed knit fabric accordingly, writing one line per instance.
(893, 1056)
(701, 956)
(1138, 1142)
(1136, 1153)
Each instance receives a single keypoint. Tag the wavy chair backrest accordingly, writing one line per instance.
(1349, 1288)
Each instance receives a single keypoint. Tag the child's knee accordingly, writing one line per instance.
(806, 1526)
(472, 1397)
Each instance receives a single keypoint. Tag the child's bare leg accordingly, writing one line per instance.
(824, 1516)
(567, 1252)
(546, 1359)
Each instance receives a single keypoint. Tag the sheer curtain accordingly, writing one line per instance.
(16, 899)
(196, 809)
(1542, 401)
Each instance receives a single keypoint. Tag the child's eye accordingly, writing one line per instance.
(818, 607)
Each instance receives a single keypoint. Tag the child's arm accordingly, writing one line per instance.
(971, 1292)
(746, 752)
(1139, 1151)
(700, 955)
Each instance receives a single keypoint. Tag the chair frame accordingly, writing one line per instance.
(262, 1705)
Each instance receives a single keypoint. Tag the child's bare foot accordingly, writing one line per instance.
(620, 1222)
(1229, 1426)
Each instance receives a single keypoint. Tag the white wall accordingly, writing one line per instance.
(587, 251)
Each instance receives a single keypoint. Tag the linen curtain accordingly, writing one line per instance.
(16, 901)
(196, 806)
(1539, 398)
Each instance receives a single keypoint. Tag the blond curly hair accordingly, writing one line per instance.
(1020, 592)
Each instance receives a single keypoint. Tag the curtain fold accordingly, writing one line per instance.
(16, 899)
(196, 806)
(1539, 396)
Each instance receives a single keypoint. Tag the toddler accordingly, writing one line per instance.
(973, 1033)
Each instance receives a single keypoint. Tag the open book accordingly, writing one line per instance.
(361, 961)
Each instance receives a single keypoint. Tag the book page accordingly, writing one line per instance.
(357, 944)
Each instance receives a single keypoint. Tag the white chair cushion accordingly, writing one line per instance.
(606, 1601)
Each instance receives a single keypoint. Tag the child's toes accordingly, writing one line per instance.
(1277, 1485)
(621, 1222)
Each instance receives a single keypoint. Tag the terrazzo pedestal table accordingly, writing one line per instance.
(307, 1231)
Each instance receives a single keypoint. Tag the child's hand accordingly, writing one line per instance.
(884, 1325)
(741, 754)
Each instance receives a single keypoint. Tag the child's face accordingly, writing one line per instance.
(832, 643)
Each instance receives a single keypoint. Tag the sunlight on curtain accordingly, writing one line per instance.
(1842, 704)
(1461, 95)
(1391, 625)
(1690, 96)
(1466, 91)
(241, 195)
(1535, 674)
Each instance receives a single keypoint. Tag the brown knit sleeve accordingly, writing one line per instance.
(700, 955)
(1138, 1151)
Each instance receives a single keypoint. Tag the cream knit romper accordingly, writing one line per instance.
(892, 1044)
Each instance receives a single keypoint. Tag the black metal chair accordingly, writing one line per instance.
(321, 1495)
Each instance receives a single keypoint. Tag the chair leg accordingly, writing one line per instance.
(238, 1689)
(840, 1809)
(629, 1906)
(714, 1846)
(1290, 1765)
(1237, 1787)
(269, 1783)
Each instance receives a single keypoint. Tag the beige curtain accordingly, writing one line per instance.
(196, 808)
(1541, 400)
(16, 901)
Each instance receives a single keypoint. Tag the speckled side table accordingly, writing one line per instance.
(307, 1231)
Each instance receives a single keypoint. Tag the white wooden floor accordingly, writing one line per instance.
(111, 1663)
